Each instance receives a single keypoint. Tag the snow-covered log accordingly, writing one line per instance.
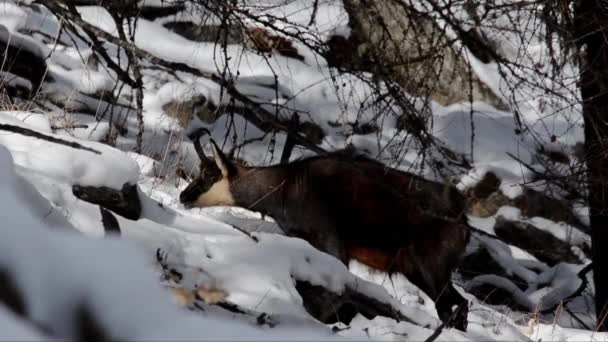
(124, 202)
(330, 307)
(543, 245)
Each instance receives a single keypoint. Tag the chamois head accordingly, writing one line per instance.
(212, 186)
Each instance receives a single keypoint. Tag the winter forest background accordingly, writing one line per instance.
(505, 99)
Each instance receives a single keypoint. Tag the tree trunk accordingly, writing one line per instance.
(405, 46)
(591, 30)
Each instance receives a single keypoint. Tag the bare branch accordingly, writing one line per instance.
(31, 133)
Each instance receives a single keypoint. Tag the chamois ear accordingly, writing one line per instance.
(221, 161)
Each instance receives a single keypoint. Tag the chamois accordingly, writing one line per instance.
(352, 208)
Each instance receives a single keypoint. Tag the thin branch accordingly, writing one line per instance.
(549, 176)
(31, 133)
(255, 239)
(258, 115)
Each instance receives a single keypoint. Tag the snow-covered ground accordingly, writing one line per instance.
(60, 272)
(119, 280)
(206, 251)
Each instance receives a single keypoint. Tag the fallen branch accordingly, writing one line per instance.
(124, 202)
(109, 221)
(255, 239)
(541, 244)
(582, 274)
(329, 307)
(325, 306)
(191, 299)
(34, 134)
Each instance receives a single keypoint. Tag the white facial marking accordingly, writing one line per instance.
(218, 195)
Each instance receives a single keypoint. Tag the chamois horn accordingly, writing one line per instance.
(195, 136)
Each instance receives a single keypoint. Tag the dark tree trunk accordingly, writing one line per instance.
(591, 20)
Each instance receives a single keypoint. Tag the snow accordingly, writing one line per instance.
(11, 15)
(202, 244)
(558, 282)
(135, 306)
(14, 329)
(20, 41)
(85, 80)
(494, 134)
(560, 334)
(560, 230)
(81, 167)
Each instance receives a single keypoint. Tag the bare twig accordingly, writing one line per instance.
(549, 176)
(31, 133)
(258, 115)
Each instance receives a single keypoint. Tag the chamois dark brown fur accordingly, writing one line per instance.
(352, 208)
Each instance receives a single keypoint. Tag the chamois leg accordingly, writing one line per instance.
(453, 241)
(433, 261)
(440, 289)
(444, 305)
(446, 297)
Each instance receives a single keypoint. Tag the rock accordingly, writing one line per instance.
(488, 184)
(488, 206)
(485, 198)
(401, 44)
(184, 111)
(211, 295)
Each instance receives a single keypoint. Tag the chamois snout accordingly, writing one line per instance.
(191, 193)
